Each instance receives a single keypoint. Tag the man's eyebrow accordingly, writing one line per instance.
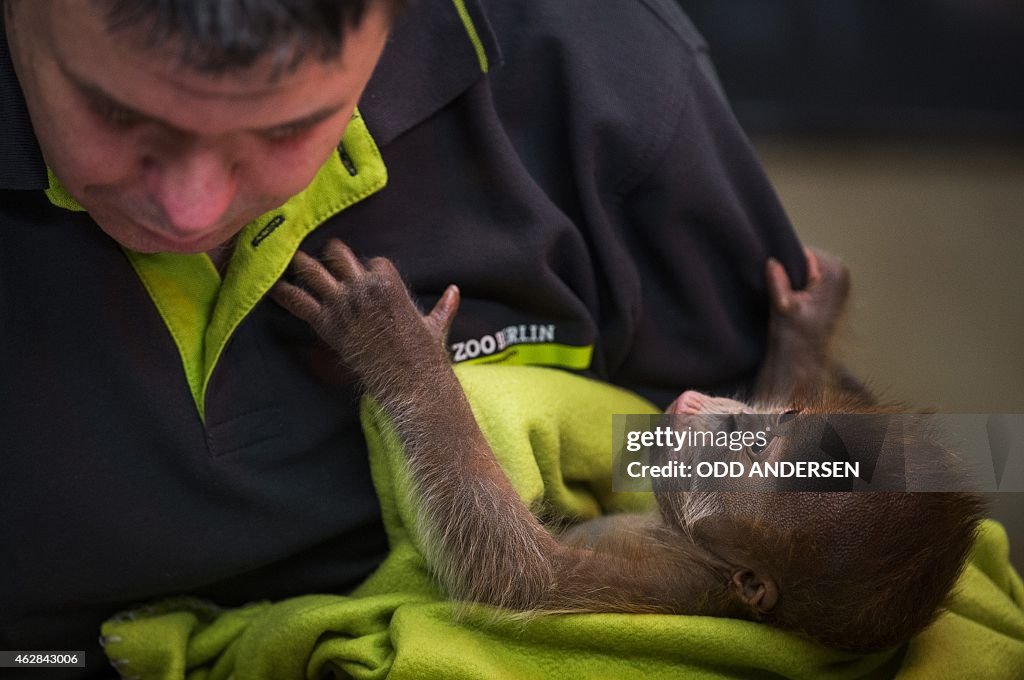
(306, 121)
(104, 99)
(98, 96)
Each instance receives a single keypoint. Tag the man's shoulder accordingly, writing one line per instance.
(647, 32)
(606, 78)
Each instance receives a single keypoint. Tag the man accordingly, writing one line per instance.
(572, 166)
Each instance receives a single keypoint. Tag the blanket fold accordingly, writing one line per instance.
(552, 434)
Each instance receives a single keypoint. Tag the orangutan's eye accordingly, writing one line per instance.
(787, 416)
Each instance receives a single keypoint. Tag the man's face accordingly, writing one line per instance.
(167, 159)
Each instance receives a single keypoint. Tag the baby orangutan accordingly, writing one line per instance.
(858, 571)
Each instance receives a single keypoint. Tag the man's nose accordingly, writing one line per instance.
(194, 188)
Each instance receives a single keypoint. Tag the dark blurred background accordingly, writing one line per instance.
(904, 66)
(894, 134)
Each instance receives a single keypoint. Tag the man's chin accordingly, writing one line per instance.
(140, 239)
(151, 246)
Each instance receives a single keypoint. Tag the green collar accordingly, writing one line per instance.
(202, 310)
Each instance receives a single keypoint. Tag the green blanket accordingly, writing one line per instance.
(552, 433)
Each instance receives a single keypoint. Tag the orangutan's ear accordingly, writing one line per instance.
(756, 588)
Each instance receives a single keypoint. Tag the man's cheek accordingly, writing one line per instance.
(283, 173)
(93, 164)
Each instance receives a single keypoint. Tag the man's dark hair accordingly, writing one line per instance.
(215, 36)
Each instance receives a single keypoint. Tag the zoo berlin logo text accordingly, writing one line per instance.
(521, 334)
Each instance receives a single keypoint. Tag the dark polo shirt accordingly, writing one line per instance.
(571, 165)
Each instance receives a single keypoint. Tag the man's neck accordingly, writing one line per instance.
(221, 255)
